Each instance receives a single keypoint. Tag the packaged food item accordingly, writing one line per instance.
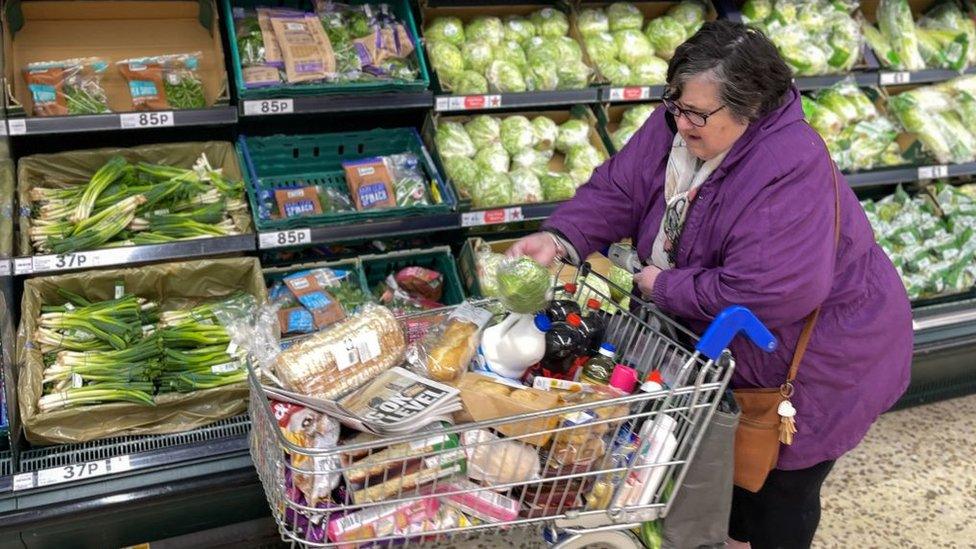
(487, 397)
(67, 87)
(272, 51)
(305, 48)
(164, 82)
(297, 202)
(510, 347)
(310, 429)
(477, 502)
(295, 320)
(420, 281)
(358, 468)
(262, 76)
(498, 461)
(553, 384)
(446, 351)
(409, 181)
(343, 358)
(250, 38)
(384, 520)
(311, 289)
(413, 476)
(370, 183)
(597, 370)
(523, 285)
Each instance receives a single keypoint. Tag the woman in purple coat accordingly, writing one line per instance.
(728, 196)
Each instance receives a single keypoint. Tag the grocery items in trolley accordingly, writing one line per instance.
(624, 50)
(133, 351)
(517, 158)
(85, 200)
(943, 38)
(510, 49)
(467, 448)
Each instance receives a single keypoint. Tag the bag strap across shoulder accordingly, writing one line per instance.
(805, 335)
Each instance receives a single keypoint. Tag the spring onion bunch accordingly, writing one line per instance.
(126, 350)
(125, 204)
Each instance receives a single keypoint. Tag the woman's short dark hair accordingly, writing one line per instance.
(751, 75)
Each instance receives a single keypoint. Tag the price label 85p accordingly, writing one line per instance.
(269, 106)
(146, 119)
(280, 239)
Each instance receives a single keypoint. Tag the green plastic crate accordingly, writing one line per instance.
(401, 8)
(281, 161)
(378, 267)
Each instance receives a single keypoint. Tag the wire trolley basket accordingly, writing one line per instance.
(588, 466)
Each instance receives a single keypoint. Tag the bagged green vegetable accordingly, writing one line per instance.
(493, 158)
(485, 28)
(492, 189)
(469, 83)
(632, 46)
(601, 47)
(546, 132)
(505, 77)
(519, 29)
(648, 71)
(445, 29)
(557, 186)
(624, 16)
(882, 49)
(453, 140)
(550, 22)
(511, 52)
(526, 186)
(483, 130)
(690, 13)
(523, 285)
(533, 160)
(637, 115)
(584, 157)
(665, 34)
(572, 133)
(477, 55)
(517, 134)
(898, 28)
(464, 172)
(592, 21)
(446, 60)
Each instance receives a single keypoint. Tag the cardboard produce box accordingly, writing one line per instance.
(173, 286)
(58, 30)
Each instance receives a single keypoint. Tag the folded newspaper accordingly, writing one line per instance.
(395, 403)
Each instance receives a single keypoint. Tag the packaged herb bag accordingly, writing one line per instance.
(65, 87)
(164, 82)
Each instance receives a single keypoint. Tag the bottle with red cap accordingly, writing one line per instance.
(563, 303)
(594, 326)
(654, 382)
(564, 342)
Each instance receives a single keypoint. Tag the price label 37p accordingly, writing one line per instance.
(269, 106)
(71, 473)
(280, 239)
(146, 119)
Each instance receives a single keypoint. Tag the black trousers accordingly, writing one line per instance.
(784, 514)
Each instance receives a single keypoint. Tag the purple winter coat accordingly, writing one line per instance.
(760, 234)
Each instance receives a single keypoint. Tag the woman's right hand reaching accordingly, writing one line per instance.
(541, 247)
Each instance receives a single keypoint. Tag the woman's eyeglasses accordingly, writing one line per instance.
(696, 118)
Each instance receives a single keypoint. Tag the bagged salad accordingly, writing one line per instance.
(68, 87)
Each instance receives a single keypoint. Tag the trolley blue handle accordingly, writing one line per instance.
(728, 324)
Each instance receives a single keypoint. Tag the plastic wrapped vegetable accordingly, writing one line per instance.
(483, 130)
(592, 21)
(624, 16)
(665, 34)
(557, 186)
(526, 185)
(511, 52)
(517, 134)
(452, 140)
(580, 175)
(505, 77)
(546, 132)
(446, 59)
(487, 266)
(572, 133)
(493, 158)
(601, 47)
(877, 42)
(464, 172)
(622, 136)
(445, 29)
(898, 28)
(519, 29)
(690, 13)
(541, 77)
(573, 75)
(824, 120)
(584, 157)
(492, 189)
(637, 115)
(916, 111)
(799, 51)
(469, 83)
(477, 55)
(550, 22)
(523, 285)
(844, 41)
(533, 160)
(756, 10)
(944, 48)
(616, 72)
(947, 15)
(632, 46)
(486, 28)
(649, 71)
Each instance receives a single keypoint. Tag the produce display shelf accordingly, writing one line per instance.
(811, 83)
(6, 267)
(133, 255)
(511, 214)
(214, 116)
(928, 76)
(457, 103)
(366, 230)
(628, 94)
(909, 174)
(315, 104)
(52, 467)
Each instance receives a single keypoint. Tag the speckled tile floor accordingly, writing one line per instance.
(911, 483)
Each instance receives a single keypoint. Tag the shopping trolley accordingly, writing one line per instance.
(585, 472)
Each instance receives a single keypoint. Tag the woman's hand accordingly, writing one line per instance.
(645, 280)
(539, 246)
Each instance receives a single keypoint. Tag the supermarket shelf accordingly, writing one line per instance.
(214, 116)
(6, 267)
(512, 214)
(133, 255)
(454, 103)
(376, 228)
(311, 104)
(909, 174)
(627, 94)
(810, 83)
(927, 76)
(944, 321)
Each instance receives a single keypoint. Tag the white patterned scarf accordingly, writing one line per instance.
(685, 174)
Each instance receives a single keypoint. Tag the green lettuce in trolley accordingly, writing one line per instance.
(523, 285)
(445, 29)
(452, 140)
